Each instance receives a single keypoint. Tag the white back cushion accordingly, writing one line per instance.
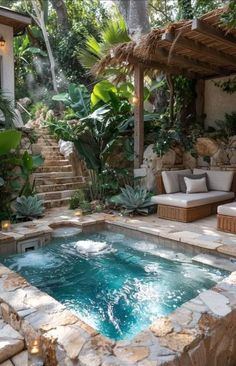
(171, 181)
(218, 180)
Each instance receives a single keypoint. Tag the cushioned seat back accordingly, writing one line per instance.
(171, 181)
(218, 180)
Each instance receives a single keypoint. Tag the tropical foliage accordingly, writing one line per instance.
(15, 171)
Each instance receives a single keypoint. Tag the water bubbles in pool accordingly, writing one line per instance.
(152, 268)
(34, 259)
(87, 247)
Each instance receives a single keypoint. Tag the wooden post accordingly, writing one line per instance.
(200, 99)
(138, 116)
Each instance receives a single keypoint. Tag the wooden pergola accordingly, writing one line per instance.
(199, 49)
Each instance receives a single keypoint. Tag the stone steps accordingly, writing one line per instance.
(50, 149)
(59, 162)
(11, 342)
(59, 187)
(57, 195)
(55, 180)
(57, 203)
(52, 155)
(54, 169)
(53, 174)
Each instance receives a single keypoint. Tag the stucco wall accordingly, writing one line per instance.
(7, 60)
(217, 102)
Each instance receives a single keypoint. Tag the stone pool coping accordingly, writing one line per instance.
(207, 243)
(199, 331)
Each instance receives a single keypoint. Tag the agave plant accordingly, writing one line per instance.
(29, 207)
(133, 200)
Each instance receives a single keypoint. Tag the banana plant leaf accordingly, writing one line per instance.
(148, 117)
(9, 140)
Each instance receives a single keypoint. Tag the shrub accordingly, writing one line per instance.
(77, 199)
(133, 200)
(29, 207)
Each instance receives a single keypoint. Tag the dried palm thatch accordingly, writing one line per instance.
(200, 48)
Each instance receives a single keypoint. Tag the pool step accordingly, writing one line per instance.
(11, 342)
(214, 261)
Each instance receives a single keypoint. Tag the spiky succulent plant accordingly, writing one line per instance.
(133, 200)
(29, 207)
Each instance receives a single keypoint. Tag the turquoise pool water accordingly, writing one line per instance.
(117, 284)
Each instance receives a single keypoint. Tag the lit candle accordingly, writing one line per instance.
(35, 356)
(79, 213)
(6, 224)
(35, 348)
(135, 100)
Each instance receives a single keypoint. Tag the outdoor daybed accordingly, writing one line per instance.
(226, 218)
(174, 204)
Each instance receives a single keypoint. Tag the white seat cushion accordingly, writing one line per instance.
(229, 209)
(192, 199)
(218, 180)
(171, 181)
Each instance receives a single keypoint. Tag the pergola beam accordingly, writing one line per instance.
(204, 51)
(173, 59)
(166, 68)
(138, 115)
(213, 33)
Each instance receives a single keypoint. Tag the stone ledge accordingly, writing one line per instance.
(67, 339)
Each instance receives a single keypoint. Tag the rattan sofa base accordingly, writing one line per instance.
(188, 214)
(226, 223)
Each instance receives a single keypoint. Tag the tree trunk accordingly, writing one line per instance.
(136, 17)
(39, 19)
(62, 15)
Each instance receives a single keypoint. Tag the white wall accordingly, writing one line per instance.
(7, 61)
(217, 102)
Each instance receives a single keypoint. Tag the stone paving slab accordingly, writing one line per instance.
(21, 359)
(11, 341)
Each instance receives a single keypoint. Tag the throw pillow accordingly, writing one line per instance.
(196, 185)
(182, 184)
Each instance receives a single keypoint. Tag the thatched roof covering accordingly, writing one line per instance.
(199, 48)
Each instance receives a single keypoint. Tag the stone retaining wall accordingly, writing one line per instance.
(202, 332)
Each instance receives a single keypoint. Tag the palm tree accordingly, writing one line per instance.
(114, 34)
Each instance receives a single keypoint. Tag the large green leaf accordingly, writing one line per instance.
(27, 162)
(102, 91)
(9, 140)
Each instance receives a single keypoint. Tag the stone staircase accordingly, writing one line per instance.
(56, 180)
(12, 346)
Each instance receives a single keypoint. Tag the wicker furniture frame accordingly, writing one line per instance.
(188, 214)
(226, 223)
